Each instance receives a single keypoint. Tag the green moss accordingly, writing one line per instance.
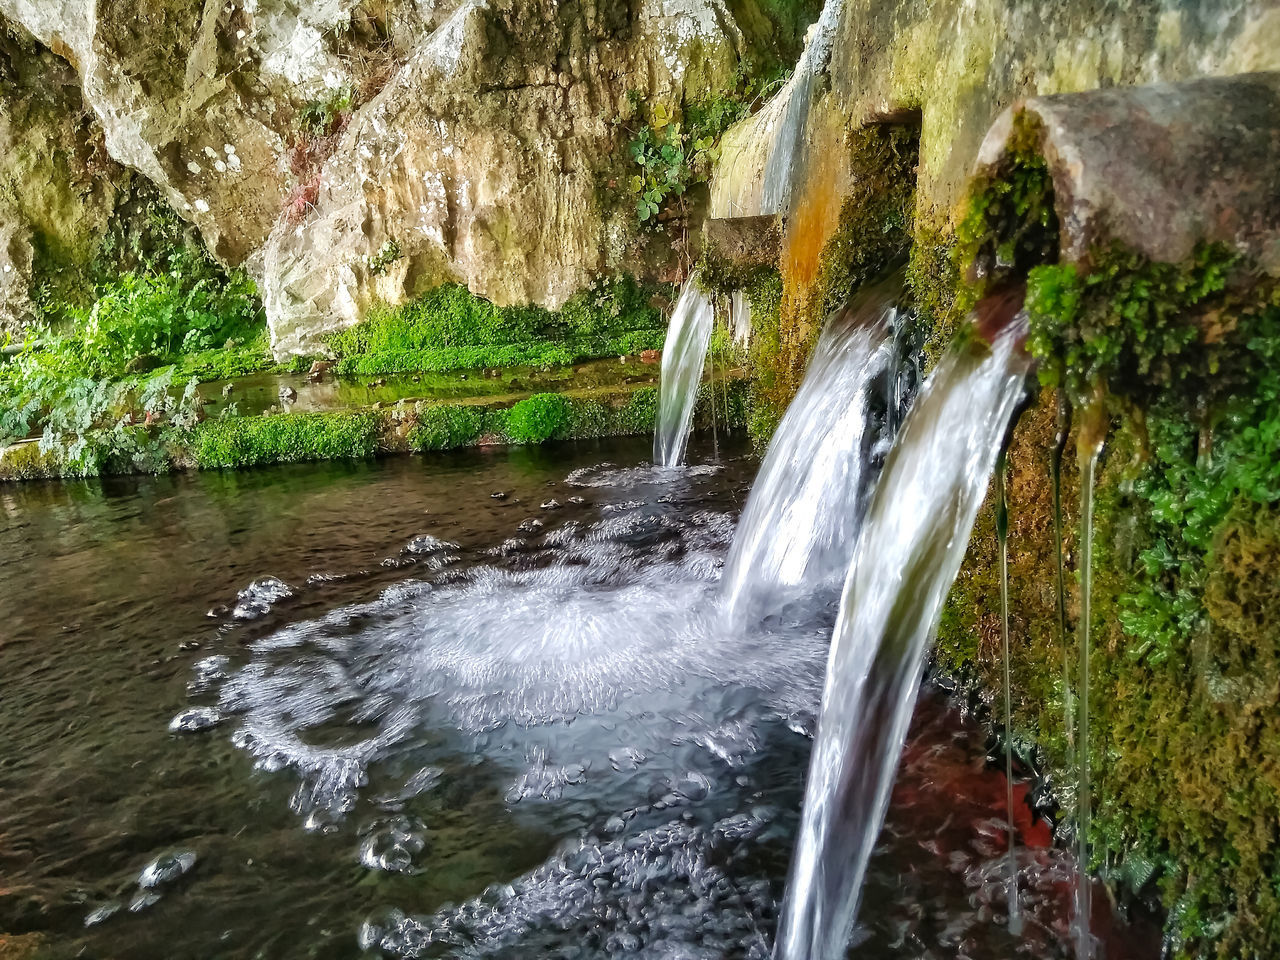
(284, 438)
(445, 427)
(1010, 224)
(449, 328)
(875, 228)
(1142, 329)
(542, 417)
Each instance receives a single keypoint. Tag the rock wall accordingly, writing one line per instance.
(1144, 223)
(352, 150)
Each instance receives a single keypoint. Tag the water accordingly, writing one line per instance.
(683, 360)
(1002, 534)
(798, 529)
(908, 554)
(1063, 429)
(754, 176)
(740, 317)
(1089, 443)
(436, 717)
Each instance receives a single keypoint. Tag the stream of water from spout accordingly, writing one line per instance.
(683, 359)
(800, 524)
(909, 552)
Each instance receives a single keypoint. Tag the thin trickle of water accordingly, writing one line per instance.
(908, 554)
(800, 524)
(1002, 535)
(740, 317)
(1089, 447)
(794, 116)
(683, 360)
(1055, 477)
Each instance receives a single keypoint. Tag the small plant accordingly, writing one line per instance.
(445, 427)
(538, 418)
(387, 255)
(672, 156)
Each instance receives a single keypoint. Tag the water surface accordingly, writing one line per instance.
(491, 708)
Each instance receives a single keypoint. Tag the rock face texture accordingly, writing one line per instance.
(952, 67)
(347, 150)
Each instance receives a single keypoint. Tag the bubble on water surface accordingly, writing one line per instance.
(663, 892)
(257, 599)
(393, 844)
(195, 719)
(166, 868)
(426, 543)
(101, 913)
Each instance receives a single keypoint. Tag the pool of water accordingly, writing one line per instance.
(476, 705)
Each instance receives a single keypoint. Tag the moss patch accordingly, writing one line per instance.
(874, 231)
(291, 438)
(449, 328)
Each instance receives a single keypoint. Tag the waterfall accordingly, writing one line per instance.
(801, 520)
(754, 176)
(683, 359)
(912, 542)
(740, 317)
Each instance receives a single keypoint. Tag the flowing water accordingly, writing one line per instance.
(1089, 447)
(909, 552)
(683, 360)
(798, 529)
(1002, 535)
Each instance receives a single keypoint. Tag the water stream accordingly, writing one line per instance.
(1089, 443)
(1002, 536)
(683, 360)
(908, 554)
(799, 526)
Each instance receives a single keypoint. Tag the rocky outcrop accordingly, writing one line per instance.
(486, 159)
(353, 150)
(57, 185)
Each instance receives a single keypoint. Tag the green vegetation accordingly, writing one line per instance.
(674, 150)
(446, 427)
(1010, 225)
(1139, 328)
(106, 382)
(449, 328)
(293, 438)
(544, 416)
(1186, 662)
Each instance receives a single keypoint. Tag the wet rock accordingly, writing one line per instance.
(318, 370)
(288, 394)
(551, 505)
(498, 495)
(650, 356)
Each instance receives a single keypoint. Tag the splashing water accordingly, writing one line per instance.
(908, 554)
(683, 360)
(798, 530)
